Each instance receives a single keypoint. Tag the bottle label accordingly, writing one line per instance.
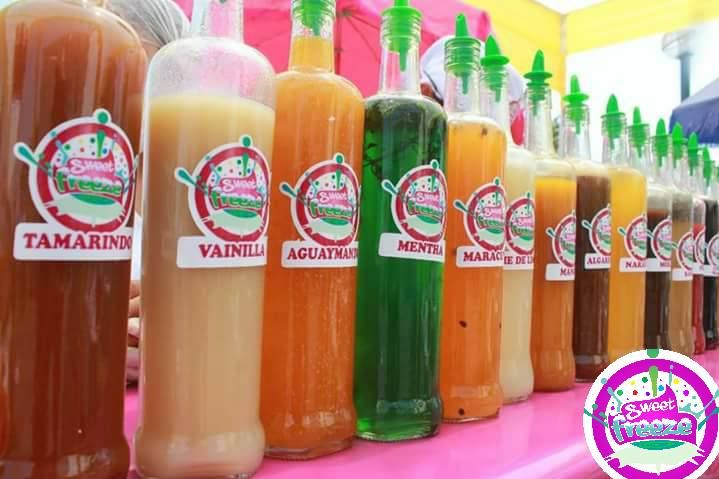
(660, 241)
(700, 248)
(564, 238)
(635, 245)
(228, 197)
(82, 183)
(711, 269)
(324, 205)
(419, 210)
(600, 237)
(685, 258)
(519, 233)
(484, 216)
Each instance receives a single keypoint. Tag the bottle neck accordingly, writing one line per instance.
(217, 18)
(461, 94)
(615, 147)
(398, 76)
(680, 171)
(538, 131)
(574, 139)
(312, 45)
(494, 100)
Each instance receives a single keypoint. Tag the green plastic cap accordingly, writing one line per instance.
(678, 144)
(537, 87)
(401, 25)
(661, 142)
(493, 64)
(313, 13)
(462, 53)
(693, 154)
(638, 130)
(613, 119)
(576, 104)
(707, 166)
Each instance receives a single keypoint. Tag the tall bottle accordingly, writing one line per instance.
(516, 375)
(209, 117)
(308, 344)
(659, 237)
(699, 216)
(708, 330)
(402, 246)
(72, 77)
(472, 306)
(680, 307)
(593, 255)
(629, 237)
(555, 247)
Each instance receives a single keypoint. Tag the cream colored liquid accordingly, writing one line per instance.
(516, 375)
(201, 328)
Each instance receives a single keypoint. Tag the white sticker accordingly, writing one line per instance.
(660, 241)
(600, 238)
(635, 246)
(48, 242)
(564, 238)
(685, 257)
(519, 233)
(484, 220)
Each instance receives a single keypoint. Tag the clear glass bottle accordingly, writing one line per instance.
(629, 237)
(555, 244)
(594, 225)
(72, 76)
(209, 118)
(702, 213)
(659, 238)
(308, 346)
(711, 328)
(472, 306)
(705, 335)
(401, 245)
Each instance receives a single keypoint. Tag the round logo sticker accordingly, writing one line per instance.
(600, 231)
(685, 251)
(519, 228)
(325, 203)
(700, 245)
(419, 207)
(653, 415)
(484, 216)
(712, 252)
(661, 240)
(228, 192)
(564, 239)
(635, 237)
(82, 174)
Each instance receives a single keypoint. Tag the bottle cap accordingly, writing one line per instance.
(693, 155)
(707, 166)
(576, 103)
(493, 63)
(538, 76)
(462, 53)
(613, 118)
(401, 27)
(638, 130)
(678, 144)
(661, 143)
(312, 13)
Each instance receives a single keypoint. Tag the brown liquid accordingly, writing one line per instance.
(591, 287)
(63, 325)
(658, 285)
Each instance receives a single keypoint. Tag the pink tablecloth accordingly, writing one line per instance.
(540, 438)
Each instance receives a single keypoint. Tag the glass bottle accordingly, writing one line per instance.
(555, 245)
(476, 154)
(629, 237)
(707, 337)
(308, 344)
(594, 235)
(701, 212)
(71, 83)
(209, 118)
(401, 248)
(659, 237)
(680, 301)
(515, 372)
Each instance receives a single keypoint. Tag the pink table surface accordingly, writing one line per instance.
(540, 438)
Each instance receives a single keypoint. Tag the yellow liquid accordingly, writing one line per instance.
(201, 328)
(626, 290)
(515, 372)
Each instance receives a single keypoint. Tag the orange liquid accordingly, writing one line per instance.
(469, 374)
(308, 345)
(552, 301)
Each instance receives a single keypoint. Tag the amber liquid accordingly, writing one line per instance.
(469, 362)
(591, 286)
(681, 339)
(658, 285)
(63, 325)
(308, 344)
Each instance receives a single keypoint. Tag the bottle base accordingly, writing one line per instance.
(517, 399)
(287, 454)
(464, 419)
(243, 475)
(405, 434)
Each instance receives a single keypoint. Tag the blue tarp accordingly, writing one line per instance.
(700, 114)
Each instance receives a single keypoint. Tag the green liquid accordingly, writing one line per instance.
(399, 301)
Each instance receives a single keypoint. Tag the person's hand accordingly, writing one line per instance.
(133, 333)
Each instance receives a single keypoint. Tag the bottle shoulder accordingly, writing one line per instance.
(554, 167)
(389, 104)
(301, 79)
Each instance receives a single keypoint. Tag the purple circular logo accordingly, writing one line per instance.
(653, 414)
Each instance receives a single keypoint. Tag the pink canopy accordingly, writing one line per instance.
(357, 41)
